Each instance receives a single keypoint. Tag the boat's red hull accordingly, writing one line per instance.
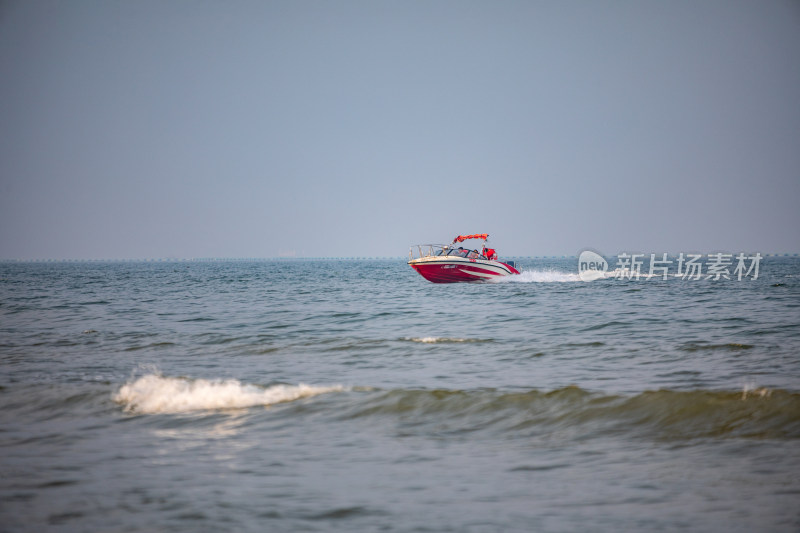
(461, 271)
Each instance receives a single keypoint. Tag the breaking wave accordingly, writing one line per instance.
(565, 413)
(154, 393)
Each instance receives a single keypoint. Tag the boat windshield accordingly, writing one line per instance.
(463, 252)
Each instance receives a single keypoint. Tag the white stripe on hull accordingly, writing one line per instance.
(494, 266)
(481, 274)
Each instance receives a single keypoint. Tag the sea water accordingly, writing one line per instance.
(355, 395)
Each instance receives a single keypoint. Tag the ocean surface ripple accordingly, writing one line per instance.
(354, 395)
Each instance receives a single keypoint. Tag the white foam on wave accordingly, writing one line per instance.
(540, 276)
(751, 390)
(556, 276)
(434, 340)
(153, 393)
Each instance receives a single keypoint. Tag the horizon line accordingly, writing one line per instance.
(292, 258)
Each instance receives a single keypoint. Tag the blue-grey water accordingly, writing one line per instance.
(354, 395)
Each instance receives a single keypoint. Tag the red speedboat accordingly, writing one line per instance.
(449, 263)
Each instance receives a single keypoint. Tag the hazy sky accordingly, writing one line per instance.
(137, 129)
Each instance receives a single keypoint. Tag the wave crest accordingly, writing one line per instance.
(662, 414)
(154, 393)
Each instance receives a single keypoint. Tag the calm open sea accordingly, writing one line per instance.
(355, 395)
